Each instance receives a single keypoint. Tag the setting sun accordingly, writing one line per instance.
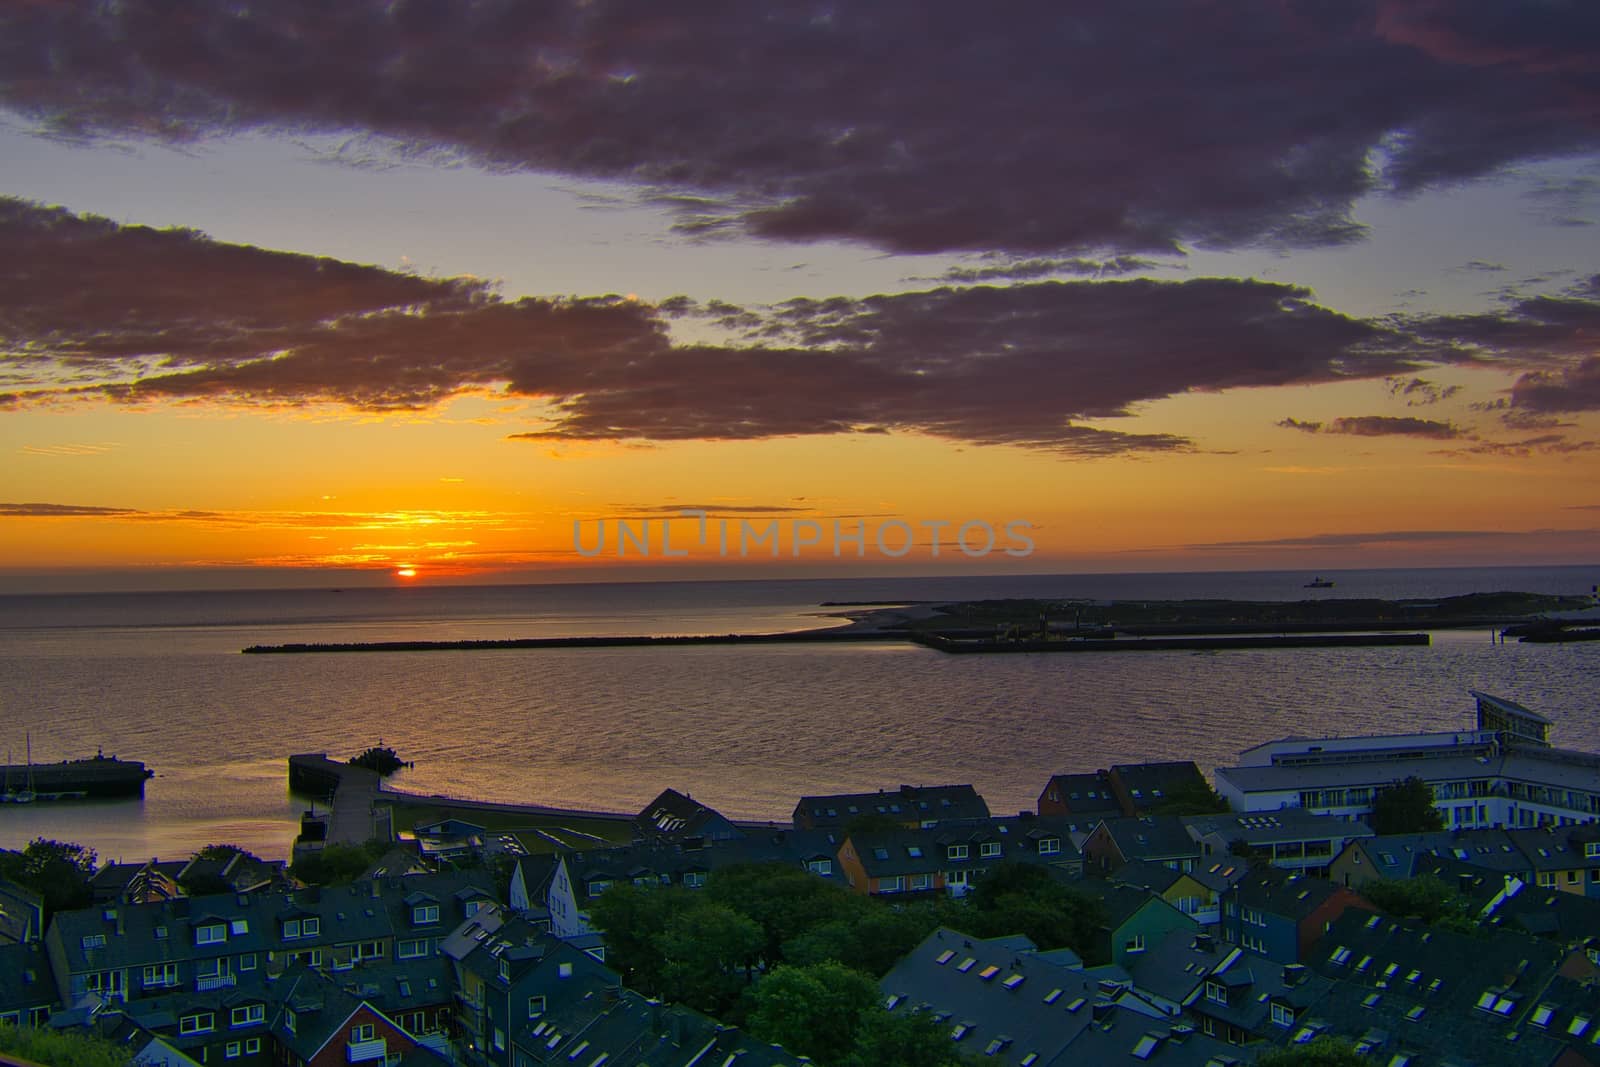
(406, 572)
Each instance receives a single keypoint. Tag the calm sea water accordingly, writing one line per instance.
(158, 677)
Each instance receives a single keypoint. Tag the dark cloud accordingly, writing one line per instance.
(1005, 269)
(1392, 426)
(1550, 444)
(1419, 392)
(185, 318)
(1302, 425)
(1482, 265)
(56, 511)
(914, 126)
(1566, 390)
(1377, 426)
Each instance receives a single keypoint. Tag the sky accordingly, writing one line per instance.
(482, 291)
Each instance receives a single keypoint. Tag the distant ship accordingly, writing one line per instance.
(1320, 582)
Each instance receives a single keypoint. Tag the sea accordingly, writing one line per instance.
(159, 677)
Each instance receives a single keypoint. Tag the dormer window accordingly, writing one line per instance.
(1216, 992)
(988, 849)
(1049, 846)
(291, 929)
(211, 934)
(956, 852)
(423, 914)
(310, 927)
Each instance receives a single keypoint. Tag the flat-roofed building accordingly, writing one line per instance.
(1503, 773)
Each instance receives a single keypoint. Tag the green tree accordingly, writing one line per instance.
(1323, 1052)
(1424, 897)
(813, 1011)
(59, 871)
(709, 953)
(785, 900)
(337, 864)
(871, 939)
(1406, 808)
(61, 1048)
(1021, 898)
(633, 919)
(903, 1039)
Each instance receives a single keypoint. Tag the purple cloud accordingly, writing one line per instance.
(914, 127)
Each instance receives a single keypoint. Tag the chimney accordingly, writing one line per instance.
(1294, 974)
(1102, 1010)
(1204, 943)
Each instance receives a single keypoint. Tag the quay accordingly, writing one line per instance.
(992, 645)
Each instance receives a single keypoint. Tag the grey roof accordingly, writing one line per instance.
(1149, 785)
(1086, 794)
(1124, 1036)
(886, 853)
(1175, 966)
(909, 802)
(675, 814)
(997, 990)
(1276, 827)
(1122, 902)
(21, 913)
(1566, 918)
(25, 978)
(132, 935)
(1153, 837)
(1283, 893)
(666, 862)
(1557, 848)
(1423, 985)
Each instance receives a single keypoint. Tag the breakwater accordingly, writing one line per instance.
(963, 646)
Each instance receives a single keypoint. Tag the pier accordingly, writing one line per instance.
(992, 645)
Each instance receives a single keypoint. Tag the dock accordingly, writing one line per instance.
(993, 645)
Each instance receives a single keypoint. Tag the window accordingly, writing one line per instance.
(310, 927)
(248, 1014)
(247, 962)
(919, 881)
(988, 972)
(424, 914)
(945, 957)
(1282, 1016)
(891, 885)
(535, 1007)
(1591, 850)
(500, 1041)
(1216, 992)
(1542, 1014)
(239, 926)
(198, 1023)
(1049, 846)
(819, 866)
(989, 848)
(694, 879)
(94, 941)
(1134, 944)
(955, 877)
(410, 950)
(232, 1050)
(956, 852)
(210, 934)
(289, 1021)
(291, 929)
(966, 965)
(252, 1045)
(161, 974)
(914, 851)
(363, 1032)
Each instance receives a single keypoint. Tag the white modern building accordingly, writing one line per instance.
(1503, 773)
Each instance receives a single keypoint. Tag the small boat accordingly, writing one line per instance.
(1319, 582)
